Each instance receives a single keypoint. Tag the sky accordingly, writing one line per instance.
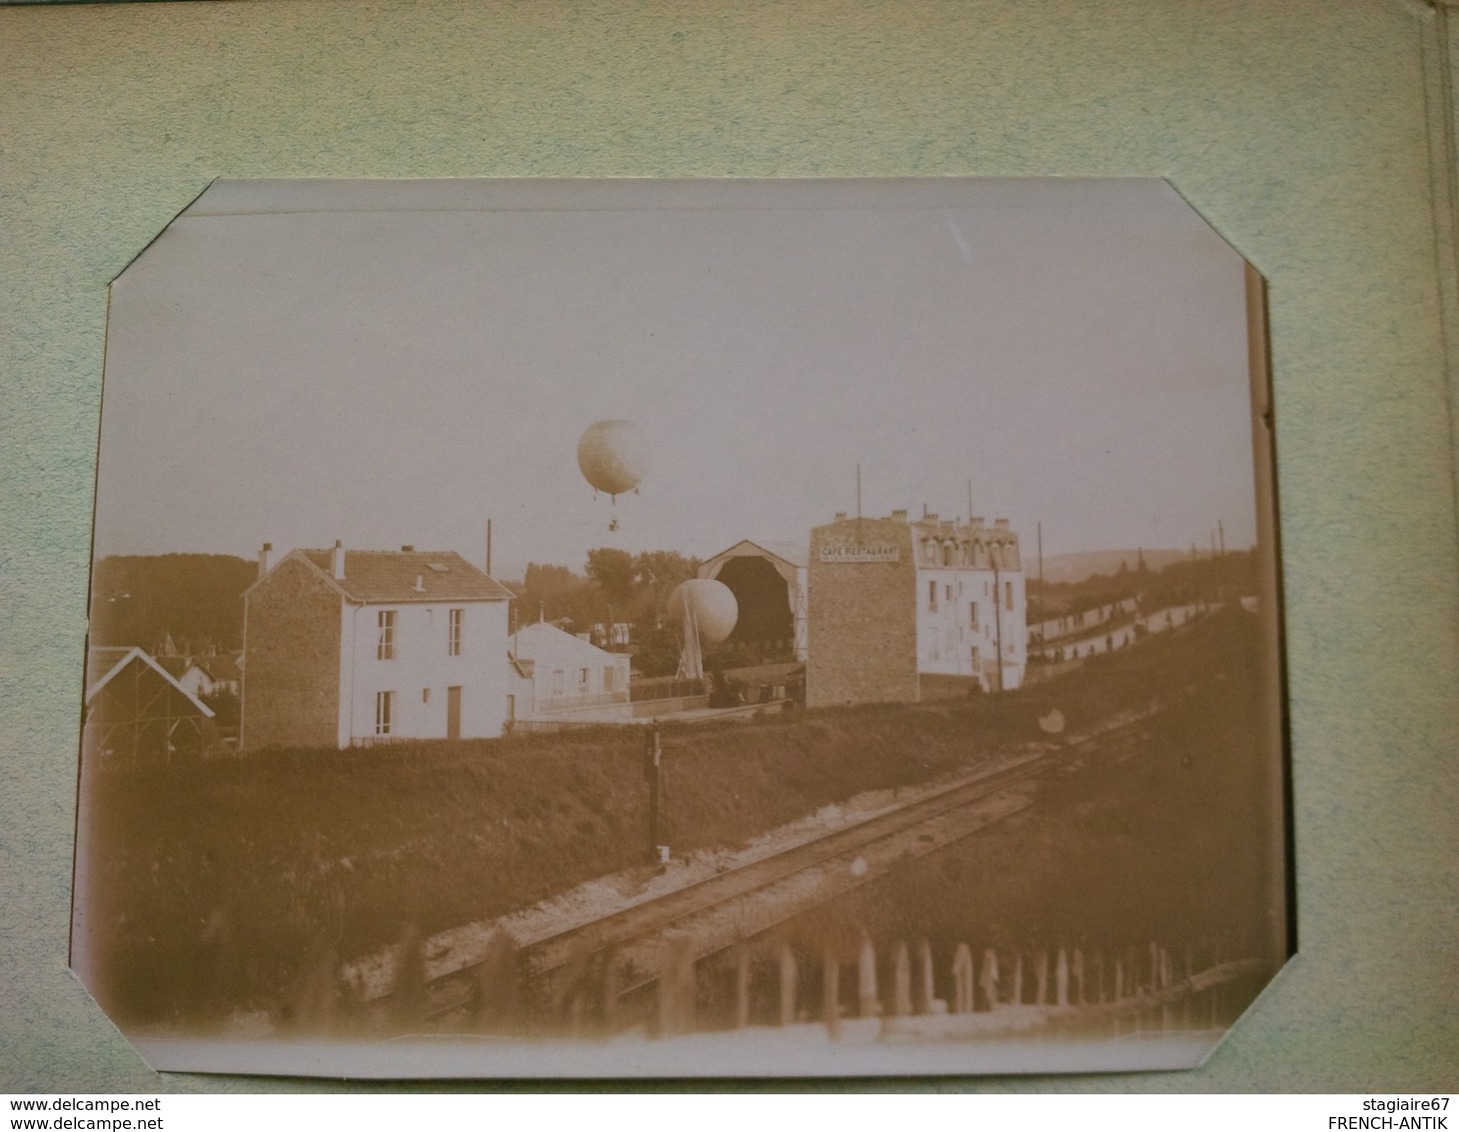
(392, 363)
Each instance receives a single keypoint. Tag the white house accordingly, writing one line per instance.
(352, 647)
(210, 675)
(556, 672)
(971, 601)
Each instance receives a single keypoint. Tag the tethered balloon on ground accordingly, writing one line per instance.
(705, 612)
(614, 457)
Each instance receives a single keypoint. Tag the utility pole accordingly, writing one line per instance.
(488, 546)
(858, 504)
(653, 771)
(1215, 578)
(997, 555)
(1042, 615)
(1221, 564)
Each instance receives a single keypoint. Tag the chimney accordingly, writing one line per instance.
(930, 517)
(840, 517)
(900, 515)
(263, 558)
(1000, 524)
(407, 550)
(337, 560)
(420, 583)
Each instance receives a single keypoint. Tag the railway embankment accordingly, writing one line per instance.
(217, 884)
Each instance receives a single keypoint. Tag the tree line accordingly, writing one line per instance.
(615, 587)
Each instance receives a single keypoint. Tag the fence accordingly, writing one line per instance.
(576, 702)
(861, 991)
(664, 688)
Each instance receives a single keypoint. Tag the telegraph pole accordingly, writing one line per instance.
(997, 555)
(653, 771)
(1221, 564)
(858, 504)
(1043, 616)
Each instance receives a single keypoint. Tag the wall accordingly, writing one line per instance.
(862, 626)
(422, 662)
(945, 637)
(291, 660)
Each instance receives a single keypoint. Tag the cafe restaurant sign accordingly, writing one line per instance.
(874, 553)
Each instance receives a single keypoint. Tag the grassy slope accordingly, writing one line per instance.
(1173, 845)
(244, 866)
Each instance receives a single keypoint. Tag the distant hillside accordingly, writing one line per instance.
(195, 598)
(1070, 568)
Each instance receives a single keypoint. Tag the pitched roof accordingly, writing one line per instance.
(391, 575)
(175, 665)
(135, 655)
(796, 553)
(791, 553)
(549, 644)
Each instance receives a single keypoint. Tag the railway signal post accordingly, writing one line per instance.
(654, 772)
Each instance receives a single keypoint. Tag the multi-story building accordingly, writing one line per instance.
(893, 601)
(348, 648)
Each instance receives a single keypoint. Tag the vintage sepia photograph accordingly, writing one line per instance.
(683, 628)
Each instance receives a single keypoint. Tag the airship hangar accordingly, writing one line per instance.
(768, 580)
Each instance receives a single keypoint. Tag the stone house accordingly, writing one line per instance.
(348, 648)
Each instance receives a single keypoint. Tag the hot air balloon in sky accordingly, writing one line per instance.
(614, 457)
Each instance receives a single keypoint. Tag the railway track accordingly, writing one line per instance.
(717, 912)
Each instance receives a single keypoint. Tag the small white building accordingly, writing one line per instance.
(215, 675)
(556, 672)
(349, 648)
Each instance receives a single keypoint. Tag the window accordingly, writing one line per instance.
(384, 712)
(973, 616)
(582, 679)
(559, 681)
(1008, 595)
(932, 596)
(453, 644)
(385, 641)
(425, 695)
(947, 591)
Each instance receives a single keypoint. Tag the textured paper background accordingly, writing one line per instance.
(1301, 130)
